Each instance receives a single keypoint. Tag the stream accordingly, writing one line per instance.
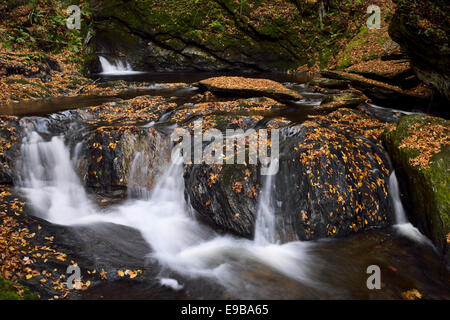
(157, 230)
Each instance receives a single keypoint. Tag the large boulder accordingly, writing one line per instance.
(422, 30)
(332, 180)
(118, 152)
(344, 99)
(420, 149)
(225, 195)
(248, 87)
(116, 158)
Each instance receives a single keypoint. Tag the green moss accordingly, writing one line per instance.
(231, 30)
(10, 291)
(324, 57)
(20, 81)
(428, 188)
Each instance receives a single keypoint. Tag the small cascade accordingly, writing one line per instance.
(137, 180)
(400, 215)
(49, 180)
(118, 67)
(162, 216)
(402, 223)
(265, 231)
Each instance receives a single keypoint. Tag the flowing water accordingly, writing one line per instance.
(265, 231)
(401, 221)
(118, 67)
(188, 258)
(188, 251)
(161, 215)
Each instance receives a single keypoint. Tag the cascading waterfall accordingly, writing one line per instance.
(178, 241)
(402, 223)
(400, 215)
(138, 177)
(50, 182)
(265, 231)
(118, 67)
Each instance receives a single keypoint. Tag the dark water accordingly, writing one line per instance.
(340, 273)
(191, 77)
(182, 94)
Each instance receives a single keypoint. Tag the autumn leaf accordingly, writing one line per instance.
(412, 294)
(237, 187)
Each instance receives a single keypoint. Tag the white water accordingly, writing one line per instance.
(138, 177)
(163, 218)
(402, 224)
(118, 67)
(49, 181)
(171, 283)
(393, 110)
(265, 229)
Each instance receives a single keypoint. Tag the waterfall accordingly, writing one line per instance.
(164, 219)
(265, 229)
(118, 67)
(402, 223)
(137, 180)
(400, 215)
(49, 180)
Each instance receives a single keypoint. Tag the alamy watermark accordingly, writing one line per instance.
(374, 21)
(374, 280)
(74, 21)
(236, 147)
(75, 277)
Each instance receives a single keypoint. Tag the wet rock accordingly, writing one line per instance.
(110, 157)
(420, 149)
(329, 83)
(224, 196)
(248, 87)
(139, 110)
(379, 92)
(346, 99)
(117, 152)
(332, 181)
(252, 107)
(333, 178)
(10, 137)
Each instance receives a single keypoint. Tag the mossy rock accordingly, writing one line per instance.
(331, 102)
(12, 291)
(329, 83)
(428, 187)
